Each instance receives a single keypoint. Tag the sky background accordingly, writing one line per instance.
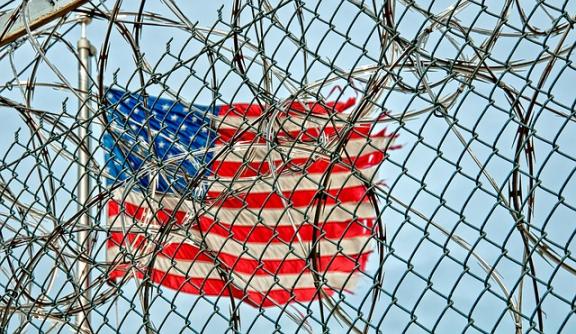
(430, 282)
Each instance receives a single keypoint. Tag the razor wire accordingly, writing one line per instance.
(475, 210)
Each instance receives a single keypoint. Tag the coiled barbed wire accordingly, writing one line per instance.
(478, 93)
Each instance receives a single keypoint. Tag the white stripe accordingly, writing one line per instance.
(257, 283)
(280, 217)
(256, 250)
(265, 217)
(282, 123)
(166, 201)
(240, 152)
(291, 182)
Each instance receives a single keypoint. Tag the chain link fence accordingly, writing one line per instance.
(289, 166)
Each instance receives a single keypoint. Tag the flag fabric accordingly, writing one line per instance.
(240, 200)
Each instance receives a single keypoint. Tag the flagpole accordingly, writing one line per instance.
(85, 51)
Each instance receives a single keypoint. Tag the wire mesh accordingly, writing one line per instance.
(471, 202)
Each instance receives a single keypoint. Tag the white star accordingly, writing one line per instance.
(110, 96)
(194, 119)
(165, 106)
(204, 130)
(184, 127)
(134, 127)
(161, 144)
(174, 117)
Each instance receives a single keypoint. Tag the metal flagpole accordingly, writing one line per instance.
(85, 51)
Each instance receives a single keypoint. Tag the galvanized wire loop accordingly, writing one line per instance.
(467, 108)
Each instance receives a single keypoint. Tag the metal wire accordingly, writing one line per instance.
(476, 210)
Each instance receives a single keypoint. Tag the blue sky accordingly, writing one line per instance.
(423, 268)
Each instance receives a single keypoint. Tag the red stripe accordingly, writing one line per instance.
(248, 265)
(135, 240)
(251, 135)
(239, 135)
(335, 263)
(248, 233)
(237, 169)
(286, 233)
(254, 109)
(217, 287)
(260, 233)
(240, 110)
(139, 212)
(295, 198)
(327, 108)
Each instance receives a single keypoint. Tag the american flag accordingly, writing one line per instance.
(240, 200)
